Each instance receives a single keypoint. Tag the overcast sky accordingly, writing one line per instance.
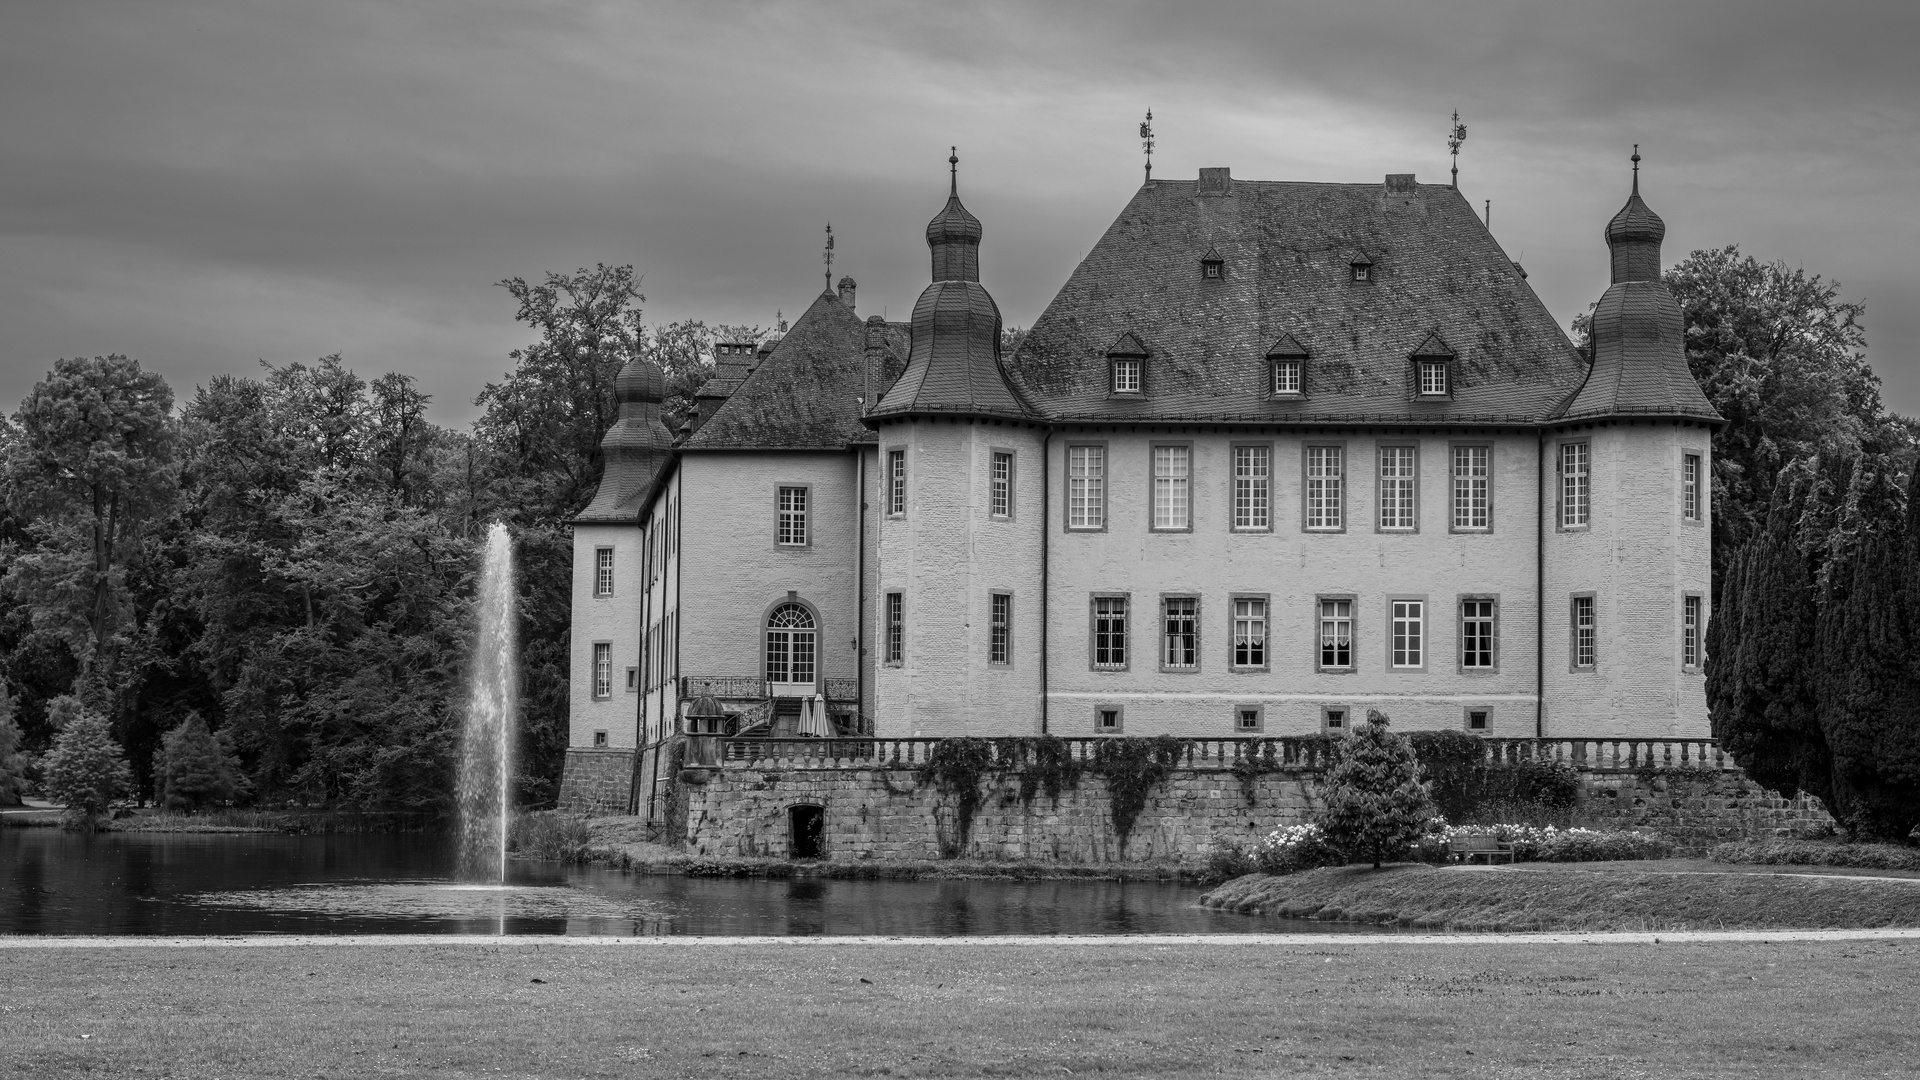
(203, 185)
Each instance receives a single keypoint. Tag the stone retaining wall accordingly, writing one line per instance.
(878, 813)
(597, 781)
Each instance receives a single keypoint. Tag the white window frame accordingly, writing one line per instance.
(1479, 626)
(1180, 633)
(1086, 487)
(1576, 484)
(795, 660)
(1692, 607)
(1129, 373)
(1406, 633)
(1000, 629)
(602, 571)
(1108, 616)
(791, 506)
(1434, 377)
(1690, 486)
(1253, 487)
(896, 483)
(1172, 495)
(1250, 645)
(1399, 482)
(1000, 484)
(1471, 469)
(602, 685)
(1331, 613)
(1584, 632)
(1287, 377)
(895, 641)
(1323, 508)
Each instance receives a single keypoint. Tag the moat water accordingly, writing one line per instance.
(53, 882)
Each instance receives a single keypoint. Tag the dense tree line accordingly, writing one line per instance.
(283, 566)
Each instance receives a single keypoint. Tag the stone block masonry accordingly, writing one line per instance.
(597, 781)
(881, 810)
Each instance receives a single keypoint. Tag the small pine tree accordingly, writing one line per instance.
(13, 763)
(1376, 802)
(192, 768)
(85, 769)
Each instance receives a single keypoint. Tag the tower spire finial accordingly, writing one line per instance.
(1636, 168)
(1146, 141)
(953, 164)
(826, 256)
(1455, 136)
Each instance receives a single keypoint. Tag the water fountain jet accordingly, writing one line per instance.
(492, 714)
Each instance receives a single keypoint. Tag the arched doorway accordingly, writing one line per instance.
(806, 830)
(793, 639)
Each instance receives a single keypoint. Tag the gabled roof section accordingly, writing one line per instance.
(805, 394)
(1433, 347)
(1127, 345)
(1436, 270)
(1286, 347)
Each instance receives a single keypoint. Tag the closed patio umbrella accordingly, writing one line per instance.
(813, 717)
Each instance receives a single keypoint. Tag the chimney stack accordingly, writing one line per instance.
(846, 292)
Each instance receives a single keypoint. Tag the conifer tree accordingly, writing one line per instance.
(85, 769)
(1376, 802)
(193, 769)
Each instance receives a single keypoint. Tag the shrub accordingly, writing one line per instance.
(1808, 853)
(1533, 843)
(1376, 803)
(85, 769)
(1294, 848)
(551, 835)
(1467, 786)
(1228, 859)
(194, 769)
(13, 763)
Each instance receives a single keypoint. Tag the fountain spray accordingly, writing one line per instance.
(486, 736)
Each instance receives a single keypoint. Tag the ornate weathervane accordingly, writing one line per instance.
(1146, 141)
(1454, 138)
(826, 256)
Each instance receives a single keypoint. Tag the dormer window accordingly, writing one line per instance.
(1212, 266)
(1287, 360)
(1361, 268)
(1433, 368)
(1127, 360)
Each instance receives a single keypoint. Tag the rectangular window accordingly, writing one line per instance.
(1690, 632)
(602, 669)
(1324, 491)
(600, 738)
(1433, 377)
(1471, 476)
(1476, 635)
(896, 482)
(1110, 631)
(603, 571)
(1000, 628)
(1336, 721)
(1286, 376)
(1409, 628)
(1106, 720)
(1478, 719)
(1246, 719)
(633, 680)
(1086, 487)
(1690, 487)
(1172, 468)
(1252, 487)
(1126, 376)
(793, 516)
(1182, 632)
(896, 628)
(1336, 635)
(1396, 487)
(1573, 485)
(1249, 633)
(1583, 632)
(1000, 503)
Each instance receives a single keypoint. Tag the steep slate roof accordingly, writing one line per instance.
(1289, 249)
(635, 448)
(804, 395)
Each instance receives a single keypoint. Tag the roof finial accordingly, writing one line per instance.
(1146, 141)
(1636, 168)
(953, 163)
(826, 256)
(1455, 137)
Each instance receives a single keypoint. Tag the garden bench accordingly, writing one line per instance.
(1485, 847)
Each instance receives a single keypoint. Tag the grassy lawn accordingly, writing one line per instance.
(1130, 1008)
(1576, 896)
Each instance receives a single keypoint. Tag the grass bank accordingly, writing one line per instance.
(1126, 1009)
(1539, 896)
(232, 820)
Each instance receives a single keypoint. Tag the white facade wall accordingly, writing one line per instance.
(1638, 557)
(736, 572)
(1292, 569)
(612, 620)
(947, 554)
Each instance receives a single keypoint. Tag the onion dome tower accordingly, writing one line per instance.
(635, 446)
(961, 511)
(1626, 506)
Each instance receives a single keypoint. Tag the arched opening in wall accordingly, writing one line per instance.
(792, 650)
(806, 829)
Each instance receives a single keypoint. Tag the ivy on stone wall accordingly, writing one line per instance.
(957, 767)
(1132, 769)
(1466, 785)
(1045, 762)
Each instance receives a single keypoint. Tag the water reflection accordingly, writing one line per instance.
(145, 883)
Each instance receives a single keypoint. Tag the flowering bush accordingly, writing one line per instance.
(1293, 848)
(1545, 843)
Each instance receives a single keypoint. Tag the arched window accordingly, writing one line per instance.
(790, 644)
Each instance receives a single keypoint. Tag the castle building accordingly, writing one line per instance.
(1276, 454)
